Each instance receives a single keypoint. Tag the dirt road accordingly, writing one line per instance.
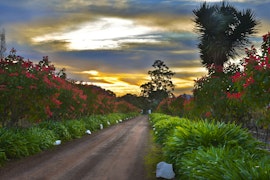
(114, 153)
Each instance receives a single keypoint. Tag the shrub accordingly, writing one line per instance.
(58, 128)
(13, 143)
(155, 117)
(18, 143)
(195, 135)
(3, 157)
(38, 139)
(164, 128)
(92, 123)
(225, 163)
(75, 128)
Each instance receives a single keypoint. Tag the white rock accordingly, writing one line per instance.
(120, 120)
(117, 121)
(101, 126)
(57, 142)
(165, 170)
(88, 132)
(108, 123)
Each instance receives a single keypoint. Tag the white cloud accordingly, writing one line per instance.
(105, 33)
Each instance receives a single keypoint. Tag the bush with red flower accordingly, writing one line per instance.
(238, 93)
(253, 83)
(35, 92)
(172, 106)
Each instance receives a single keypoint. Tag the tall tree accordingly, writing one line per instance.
(160, 86)
(222, 30)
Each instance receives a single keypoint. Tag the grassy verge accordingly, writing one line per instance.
(154, 156)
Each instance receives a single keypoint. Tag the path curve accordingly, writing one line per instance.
(114, 153)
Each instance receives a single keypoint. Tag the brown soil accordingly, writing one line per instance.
(114, 153)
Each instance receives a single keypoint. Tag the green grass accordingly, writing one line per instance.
(153, 157)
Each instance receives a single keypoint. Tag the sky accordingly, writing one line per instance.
(114, 43)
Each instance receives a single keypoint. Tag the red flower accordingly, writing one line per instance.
(33, 87)
(72, 108)
(249, 81)
(14, 74)
(236, 77)
(2, 87)
(258, 67)
(55, 100)
(30, 75)
(48, 111)
(237, 95)
(26, 64)
(208, 114)
(266, 36)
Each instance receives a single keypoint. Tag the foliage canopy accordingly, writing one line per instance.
(222, 29)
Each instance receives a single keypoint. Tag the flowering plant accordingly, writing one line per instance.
(34, 92)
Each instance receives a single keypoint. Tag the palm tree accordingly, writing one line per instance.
(222, 30)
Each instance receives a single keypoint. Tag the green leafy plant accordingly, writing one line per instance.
(164, 128)
(202, 134)
(75, 128)
(3, 157)
(38, 139)
(59, 129)
(225, 163)
(18, 143)
(210, 150)
(13, 143)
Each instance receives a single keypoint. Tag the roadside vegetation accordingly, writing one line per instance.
(40, 106)
(221, 131)
(16, 142)
(205, 149)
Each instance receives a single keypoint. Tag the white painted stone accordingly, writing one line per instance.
(88, 132)
(57, 142)
(164, 170)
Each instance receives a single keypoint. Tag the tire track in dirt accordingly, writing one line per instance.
(115, 153)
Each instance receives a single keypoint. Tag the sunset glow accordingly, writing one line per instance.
(113, 44)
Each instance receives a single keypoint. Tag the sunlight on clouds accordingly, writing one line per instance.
(105, 33)
(91, 72)
(189, 69)
(120, 83)
(185, 51)
(183, 83)
(123, 83)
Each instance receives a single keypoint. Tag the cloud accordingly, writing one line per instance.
(133, 26)
(49, 45)
(105, 33)
(119, 39)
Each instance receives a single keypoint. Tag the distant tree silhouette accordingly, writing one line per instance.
(160, 86)
(222, 30)
(137, 101)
